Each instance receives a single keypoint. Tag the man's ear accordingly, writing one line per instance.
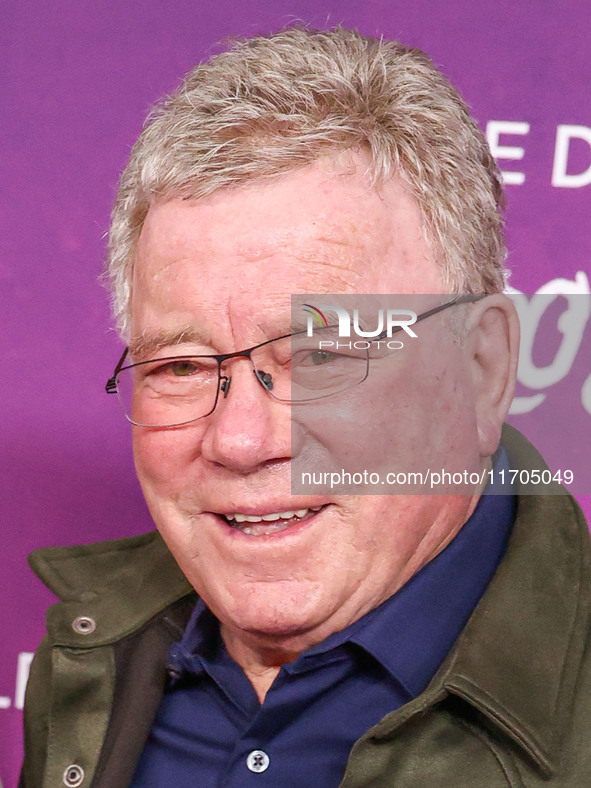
(493, 342)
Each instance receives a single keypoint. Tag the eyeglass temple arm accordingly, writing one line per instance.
(111, 385)
(460, 299)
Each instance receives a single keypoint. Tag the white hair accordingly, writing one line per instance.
(272, 104)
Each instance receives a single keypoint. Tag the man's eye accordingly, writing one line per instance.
(313, 357)
(319, 357)
(182, 368)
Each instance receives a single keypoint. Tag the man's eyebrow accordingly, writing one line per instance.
(298, 324)
(148, 343)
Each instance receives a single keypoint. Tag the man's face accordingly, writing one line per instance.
(225, 268)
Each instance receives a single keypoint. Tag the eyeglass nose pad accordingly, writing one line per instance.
(225, 384)
(265, 378)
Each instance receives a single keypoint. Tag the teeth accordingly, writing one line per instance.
(237, 517)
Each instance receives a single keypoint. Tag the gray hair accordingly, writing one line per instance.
(272, 104)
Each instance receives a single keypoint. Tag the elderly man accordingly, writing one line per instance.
(270, 639)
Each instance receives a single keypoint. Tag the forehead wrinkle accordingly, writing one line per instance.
(322, 232)
(335, 240)
(262, 324)
(343, 276)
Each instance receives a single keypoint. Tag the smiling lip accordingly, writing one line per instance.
(269, 523)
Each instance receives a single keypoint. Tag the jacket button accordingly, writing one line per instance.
(84, 625)
(73, 776)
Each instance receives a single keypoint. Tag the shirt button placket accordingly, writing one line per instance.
(257, 761)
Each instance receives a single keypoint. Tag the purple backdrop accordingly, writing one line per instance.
(79, 78)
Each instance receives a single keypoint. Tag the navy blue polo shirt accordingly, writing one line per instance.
(211, 729)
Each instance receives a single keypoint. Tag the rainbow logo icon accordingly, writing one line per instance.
(312, 310)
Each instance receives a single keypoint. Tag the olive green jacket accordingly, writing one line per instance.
(511, 705)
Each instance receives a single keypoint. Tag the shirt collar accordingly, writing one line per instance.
(201, 640)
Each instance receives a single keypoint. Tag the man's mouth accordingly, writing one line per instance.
(272, 523)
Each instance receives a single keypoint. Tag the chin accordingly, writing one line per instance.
(280, 610)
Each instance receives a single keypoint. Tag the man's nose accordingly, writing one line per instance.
(248, 429)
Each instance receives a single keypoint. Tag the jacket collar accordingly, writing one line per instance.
(135, 578)
(518, 658)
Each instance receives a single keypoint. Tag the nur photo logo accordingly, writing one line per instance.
(348, 322)
(388, 321)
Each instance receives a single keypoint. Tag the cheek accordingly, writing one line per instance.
(342, 431)
(442, 403)
(380, 427)
(383, 524)
(164, 465)
(164, 458)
